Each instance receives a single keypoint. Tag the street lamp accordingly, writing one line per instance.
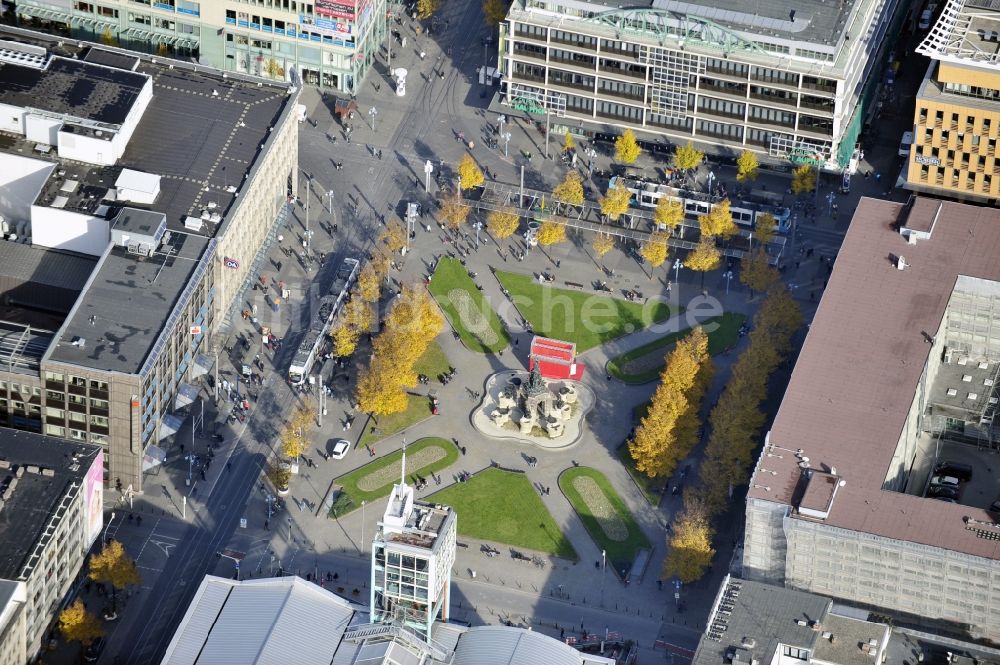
(829, 204)
(478, 225)
(711, 177)
(604, 568)
(591, 154)
(289, 529)
(373, 112)
(190, 458)
(677, 273)
(501, 121)
(329, 203)
(104, 538)
(729, 278)
(506, 141)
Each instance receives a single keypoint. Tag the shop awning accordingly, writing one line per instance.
(153, 457)
(202, 365)
(170, 425)
(186, 395)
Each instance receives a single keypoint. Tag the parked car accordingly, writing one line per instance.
(943, 492)
(905, 143)
(925, 20)
(340, 448)
(954, 469)
(946, 481)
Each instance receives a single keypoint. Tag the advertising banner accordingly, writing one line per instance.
(325, 26)
(335, 8)
(93, 498)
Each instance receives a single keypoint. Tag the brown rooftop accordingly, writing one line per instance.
(857, 374)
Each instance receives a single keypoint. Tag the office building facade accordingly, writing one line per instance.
(51, 512)
(126, 246)
(329, 43)
(957, 114)
(787, 82)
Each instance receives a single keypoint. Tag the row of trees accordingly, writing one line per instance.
(736, 424)
(686, 157)
(112, 565)
(411, 325)
(669, 430)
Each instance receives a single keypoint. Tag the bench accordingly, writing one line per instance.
(575, 285)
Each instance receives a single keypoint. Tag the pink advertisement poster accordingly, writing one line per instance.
(93, 497)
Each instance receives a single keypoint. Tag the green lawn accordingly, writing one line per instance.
(490, 336)
(585, 318)
(351, 495)
(418, 407)
(622, 553)
(503, 507)
(725, 334)
(433, 362)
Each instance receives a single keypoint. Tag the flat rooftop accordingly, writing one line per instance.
(813, 21)
(120, 316)
(48, 469)
(855, 379)
(751, 619)
(966, 32)
(203, 159)
(72, 88)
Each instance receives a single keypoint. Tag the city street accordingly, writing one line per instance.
(183, 528)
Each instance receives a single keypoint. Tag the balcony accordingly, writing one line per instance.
(98, 412)
(571, 85)
(523, 76)
(777, 81)
(788, 102)
(619, 118)
(586, 66)
(623, 73)
(736, 93)
(76, 390)
(528, 55)
(57, 386)
(574, 44)
(764, 122)
(727, 74)
(632, 56)
(727, 116)
(99, 394)
(619, 94)
(816, 86)
(825, 109)
(523, 34)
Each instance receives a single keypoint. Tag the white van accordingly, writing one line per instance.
(904, 145)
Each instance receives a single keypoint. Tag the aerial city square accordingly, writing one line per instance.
(489, 332)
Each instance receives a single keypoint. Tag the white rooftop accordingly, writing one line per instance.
(259, 621)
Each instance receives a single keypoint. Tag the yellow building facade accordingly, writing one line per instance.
(956, 119)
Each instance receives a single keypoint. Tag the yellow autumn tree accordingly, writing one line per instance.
(393, 237)
(764, 228)
(747, 166)
(803, 179)
(655, 249)
(655, 447)
(369, 284)
(689, 546)
(616, 202)
(454, 212)
(426, 8)
(568, 142)
(494, 11)
(687, 157)
(718, 222)
(345, 339)
(469, 174)
(551, 233)
(627, 148)
(570, 190)
(78, 625)
(704, 258)
(503, 223)
(602, 244)
(669, 213)
(295, 435)
(756, 271)
(114, 566)
(108, 37)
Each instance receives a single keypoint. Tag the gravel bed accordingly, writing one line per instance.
(606, 515)
(472, 317)
(387, 474)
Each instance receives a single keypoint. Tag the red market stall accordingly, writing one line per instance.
(556, 359)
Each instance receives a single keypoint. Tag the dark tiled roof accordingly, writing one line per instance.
(857, 374)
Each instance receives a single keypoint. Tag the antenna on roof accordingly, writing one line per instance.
(402, 472)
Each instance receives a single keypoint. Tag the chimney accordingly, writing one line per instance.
(901, 263)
